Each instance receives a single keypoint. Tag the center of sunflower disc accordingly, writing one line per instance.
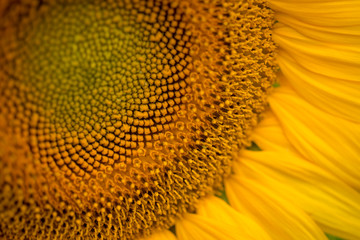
(136, 108)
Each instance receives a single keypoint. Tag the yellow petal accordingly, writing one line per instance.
(196, 227)
(329, 59)
(161, 235)
(330, 202)
(268, 135)
(332, 34)
(336, 96)
(216, 209)
(319, 12)
(278, 216)
(329, 141)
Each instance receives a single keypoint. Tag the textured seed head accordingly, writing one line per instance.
(117, 116)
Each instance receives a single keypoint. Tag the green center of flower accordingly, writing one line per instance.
(119, 115)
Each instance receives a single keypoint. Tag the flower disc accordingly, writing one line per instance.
(117, 116)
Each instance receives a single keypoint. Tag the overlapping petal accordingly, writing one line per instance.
(329, 13)
(194, 227)
(278, 216)
(161, 235)
(328, 59)
(218, 210)
(336, 96)
(330, 34)
(331, 203)
(269, 136)
(329, 141)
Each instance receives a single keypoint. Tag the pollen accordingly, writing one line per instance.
(116, 116)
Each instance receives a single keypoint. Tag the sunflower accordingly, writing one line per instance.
(160, 119)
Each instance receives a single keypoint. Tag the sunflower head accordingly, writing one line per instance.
(117, 116)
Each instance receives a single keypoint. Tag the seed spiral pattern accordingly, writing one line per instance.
(117, 116)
